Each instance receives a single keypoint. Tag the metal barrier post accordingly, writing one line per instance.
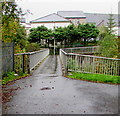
(28, 64)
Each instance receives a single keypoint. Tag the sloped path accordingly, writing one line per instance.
(48, 92)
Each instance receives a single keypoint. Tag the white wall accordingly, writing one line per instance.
(117, 31)
(50, 25)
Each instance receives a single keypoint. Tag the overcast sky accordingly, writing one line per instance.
(40, 8)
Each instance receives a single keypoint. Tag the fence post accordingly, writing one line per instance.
(93, 67)
(76, 63)
(28, 64)
(118, 68)
(23, 63)
(1, 72)
(66, 70)
(13, 56)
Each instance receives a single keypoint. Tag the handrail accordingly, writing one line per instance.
(82, 47)
(92, 56)
(88, 63)
(28, 53)
(26, 62)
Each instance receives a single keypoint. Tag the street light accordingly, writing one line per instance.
(54, 38)
(54, 45)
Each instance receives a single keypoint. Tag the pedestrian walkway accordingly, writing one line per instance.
(46, 91)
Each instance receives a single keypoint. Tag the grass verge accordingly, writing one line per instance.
(12, 77)
(95, 77)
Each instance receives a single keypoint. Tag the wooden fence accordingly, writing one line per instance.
(88, 63)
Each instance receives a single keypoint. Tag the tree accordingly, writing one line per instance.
(72, 34)
(108, 42)
(39, 33)
(111, 24)
(109, 46)
(21, 37)
(33, 36)
(12, 31)
(88, 32)
(67, 35)
(10, 9)
(76, 34)
(60, 35)
(10, 21)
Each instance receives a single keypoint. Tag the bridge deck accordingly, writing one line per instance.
(47, 92)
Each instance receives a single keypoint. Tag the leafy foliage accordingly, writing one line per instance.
(60, 34)
(10, 11)
(72, 64)
(109, 46)
(111, 24)
(108, 42)
(32, 47)
(88, 32)
(11, 77)
(10, 20)
(12, 31)
(70, 34)
(39, 33)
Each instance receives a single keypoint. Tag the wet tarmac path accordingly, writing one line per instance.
(48, 92)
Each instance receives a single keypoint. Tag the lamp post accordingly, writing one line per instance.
(54, 45)
(54, 38)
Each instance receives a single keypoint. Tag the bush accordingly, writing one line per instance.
(10, 76)
(109, 46)
(72, 64)
(17, 49)
(32, 47)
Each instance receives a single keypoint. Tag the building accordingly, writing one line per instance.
(64, 18)
(26, 25)
(101, 19)
(50, 21)
(75, 17)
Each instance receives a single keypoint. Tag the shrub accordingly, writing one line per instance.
(72, 64)
(109, 46)
(32, 47)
